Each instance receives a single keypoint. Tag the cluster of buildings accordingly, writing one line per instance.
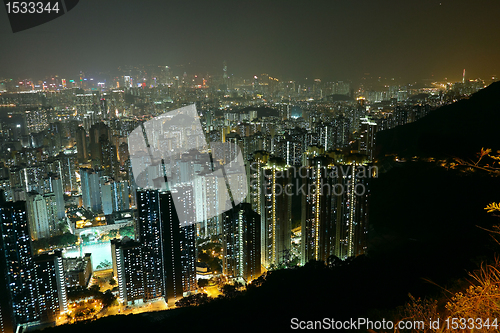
(33, 287)
(307, 151)
(161, 263)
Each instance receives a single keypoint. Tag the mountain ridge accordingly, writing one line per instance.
(458, 129)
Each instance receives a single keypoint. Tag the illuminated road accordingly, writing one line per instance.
(157, 305)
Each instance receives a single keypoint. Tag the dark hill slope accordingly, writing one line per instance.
(458, 129)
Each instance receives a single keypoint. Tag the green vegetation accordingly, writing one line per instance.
(104, 265)
(55, 242)
(210, 254)
(84, 313)
(127, 231)
(85, 238)
(202, 283)
(63, 227)
(113, 233)
(68, 239)
(471, 300)
(193, 300)
(228, 291)
(106, 298)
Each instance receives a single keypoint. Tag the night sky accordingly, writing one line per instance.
(331, 40)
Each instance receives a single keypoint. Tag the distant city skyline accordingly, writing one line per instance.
(408, 41)
(367, 80)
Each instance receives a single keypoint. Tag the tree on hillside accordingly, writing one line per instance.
(202, 283)
(193, 300)
(485, 162)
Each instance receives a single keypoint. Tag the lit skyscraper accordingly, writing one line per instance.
(275, 213)
(326, 135)
(162, 262)
(256, 179)
(241, 243)
(179, 245)
(51, 286)
(78, 271)
(16, 249)
(225, 78)
(107, 198)
(37, 119)
(91, 189)
(121, 199)
(367, 137)
(149, 231)
(82, 145)
(37, 216)
(128, 267)
(209, 189)
(351, 208)
(53, 186)
(342, 126)
(292, 152)
(98, 134)
(66, 170)
(334, 207)
(317, 220)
